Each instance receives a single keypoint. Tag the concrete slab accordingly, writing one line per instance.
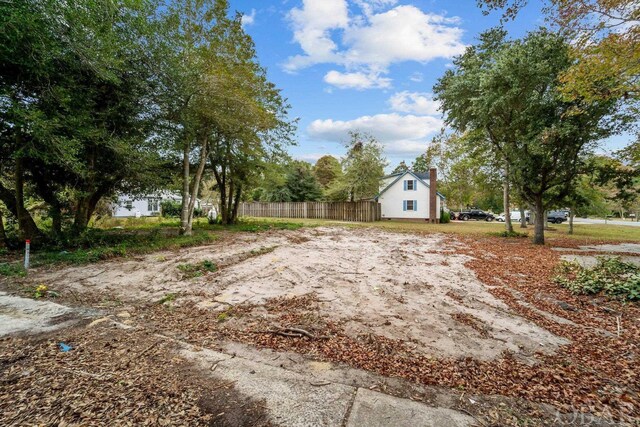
(618, 247)
(291, 399)
(373, 409)
(589, 261)
(18, 314)
(633, 248)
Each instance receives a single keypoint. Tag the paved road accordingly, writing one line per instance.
(609, 221)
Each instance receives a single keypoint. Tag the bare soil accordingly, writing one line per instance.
(479, 318)
(400, 286)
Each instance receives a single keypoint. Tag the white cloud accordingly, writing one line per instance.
(414, 102)
(404, 33)
(372, 41)
(311, 30)
(357, 80)
(249, 19)
(400, 134)
(369, 6)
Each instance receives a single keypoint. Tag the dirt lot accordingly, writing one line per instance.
(477, 315)
(401, 286)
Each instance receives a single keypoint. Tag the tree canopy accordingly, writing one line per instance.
(509, 93)
(605, 45)
(102, 96)
(363, 168)
(75, 88)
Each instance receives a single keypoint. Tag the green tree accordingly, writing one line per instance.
(223, 112)
(509, 91)
(605, 45)
(302, 184)
(363, 169)
(421, 164)
(619, 180)
(402, 167)
(466, 173)
(327, 169)
(59, 145)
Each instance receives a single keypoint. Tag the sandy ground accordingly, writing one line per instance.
(401, 286)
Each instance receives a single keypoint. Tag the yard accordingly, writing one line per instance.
(449, 315)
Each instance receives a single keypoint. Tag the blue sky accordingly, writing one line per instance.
(367, 65)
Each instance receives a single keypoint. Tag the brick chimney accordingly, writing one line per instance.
(433, 197)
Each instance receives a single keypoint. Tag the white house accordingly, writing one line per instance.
(409, 195)
(146, 205)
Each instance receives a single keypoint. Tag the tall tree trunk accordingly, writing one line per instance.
(184, 214)
(222, 188)
(229, 204)
(571, 215)
(538, 235)
(3, 234)
(222, 184)
(195, 188)
(82, 215)
(56, 218)
(236, 203)
(507, 201)
(27, 226)
(523, 218)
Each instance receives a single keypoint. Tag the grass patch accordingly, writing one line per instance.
(122, 237)
(610, 276)
(258, 225)
(189, 271)
(583, 232)
(509, 234)
(97, 245)
(224, 316)
(168, 298)
(11, 269)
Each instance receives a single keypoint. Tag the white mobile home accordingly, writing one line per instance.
(145, 205)
(409, 195)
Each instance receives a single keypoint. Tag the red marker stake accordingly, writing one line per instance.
(27, 248)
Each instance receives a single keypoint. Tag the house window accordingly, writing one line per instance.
(128, 204)
(152, 205)
(410, 185)
(410, 205)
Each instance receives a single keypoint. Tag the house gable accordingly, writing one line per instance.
(401, 176)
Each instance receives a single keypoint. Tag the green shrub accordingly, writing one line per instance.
(173, 209)
(170, 208)
(12, 270)
(214, 220)
(190, 271)
(445, 217)
(610, 276)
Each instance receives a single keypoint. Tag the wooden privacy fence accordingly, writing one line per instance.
(341, 211)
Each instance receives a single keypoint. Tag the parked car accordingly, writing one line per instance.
(476, 214)
(556, 217)
(552, 217)
(515, 216)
